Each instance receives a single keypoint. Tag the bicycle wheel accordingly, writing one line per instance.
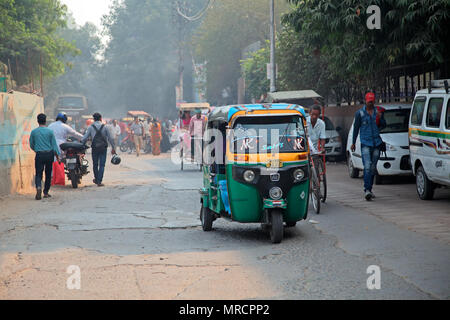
(315, 191)
(323, 181)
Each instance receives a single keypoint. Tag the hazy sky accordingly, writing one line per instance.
(88, 10)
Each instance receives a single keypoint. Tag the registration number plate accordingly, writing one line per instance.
(274, 164)
(71, 160)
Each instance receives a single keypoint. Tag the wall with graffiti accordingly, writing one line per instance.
(18, 112)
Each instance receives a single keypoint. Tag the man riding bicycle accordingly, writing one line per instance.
(316, 129)
(316, 132)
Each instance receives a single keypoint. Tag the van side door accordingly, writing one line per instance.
(432, 137)
(444, 174)
(415, 130)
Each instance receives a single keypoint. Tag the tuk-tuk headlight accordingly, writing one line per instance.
(249, 176)
(299, 174)
(275, 193)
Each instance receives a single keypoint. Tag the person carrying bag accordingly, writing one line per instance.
(100, 136)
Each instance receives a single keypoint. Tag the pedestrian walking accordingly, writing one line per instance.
(156, 136)
(137, 130)
(197, 127)
(115, 132)
(100, 136)
(43, 142)
(368, 123)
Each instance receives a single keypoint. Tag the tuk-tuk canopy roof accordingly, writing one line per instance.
(224, 114)
(138, 114)
(193, 106)
(303, 97)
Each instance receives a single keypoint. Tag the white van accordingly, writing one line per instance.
(429, 138)
(395, 135)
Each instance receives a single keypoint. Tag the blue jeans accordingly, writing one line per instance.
(370, 156)
(99, 161)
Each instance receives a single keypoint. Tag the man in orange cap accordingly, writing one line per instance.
(366, 126)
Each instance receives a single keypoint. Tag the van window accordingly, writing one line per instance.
(434, 112)
(417, 111)
(447, 122)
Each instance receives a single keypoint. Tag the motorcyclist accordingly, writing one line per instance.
(62, 130)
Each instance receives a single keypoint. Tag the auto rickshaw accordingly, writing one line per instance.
(256, 167)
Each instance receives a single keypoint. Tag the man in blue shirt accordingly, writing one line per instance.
(100, 136)
(43, 142)
(366, 125)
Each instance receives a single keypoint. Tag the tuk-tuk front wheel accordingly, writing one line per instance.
(206, 218)
(276, 228)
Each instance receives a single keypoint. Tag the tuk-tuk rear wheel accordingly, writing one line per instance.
(206, 218)
(276, 228)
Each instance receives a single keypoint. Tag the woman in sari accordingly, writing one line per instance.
(156, 137)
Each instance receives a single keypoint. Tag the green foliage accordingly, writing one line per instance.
(298, 67)
(229, 27)
(81, 71)
(411, 31)
(141, 61)
(255, 73)
(29, 31)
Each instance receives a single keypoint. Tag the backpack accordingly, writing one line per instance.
(99, 142)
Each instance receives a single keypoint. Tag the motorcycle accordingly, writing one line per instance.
(75, 162)
(127, 143)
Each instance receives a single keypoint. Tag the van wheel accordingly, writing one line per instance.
(352, 171)
(425, 188)
(206, 218)
(276, 228)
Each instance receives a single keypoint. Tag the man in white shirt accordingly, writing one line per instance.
(63, 131)
(115, 131)
(316, 129)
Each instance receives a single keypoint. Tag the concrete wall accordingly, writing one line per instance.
(18, 112)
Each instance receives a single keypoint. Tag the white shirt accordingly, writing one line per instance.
(62, 131)
(115, 130)
(317, 132)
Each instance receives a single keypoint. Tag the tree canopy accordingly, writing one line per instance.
(228, 28)
(29, 32)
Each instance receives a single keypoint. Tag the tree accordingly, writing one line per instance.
(29, 32)
(229, 27)
(141, 61)
(81, 74)
(298, 67)
(411, 31)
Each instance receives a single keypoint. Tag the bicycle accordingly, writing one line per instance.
(318, 180)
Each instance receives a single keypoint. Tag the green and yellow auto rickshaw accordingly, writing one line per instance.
(256, 167)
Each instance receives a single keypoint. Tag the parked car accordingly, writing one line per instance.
(333, 142)
(395, 135)
(429, 138)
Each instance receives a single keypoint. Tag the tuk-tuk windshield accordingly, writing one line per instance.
(268, 134)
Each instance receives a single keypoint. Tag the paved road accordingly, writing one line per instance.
(139, 238)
